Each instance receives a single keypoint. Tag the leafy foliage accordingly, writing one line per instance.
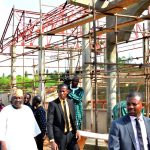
(5, 83)
(28, 83)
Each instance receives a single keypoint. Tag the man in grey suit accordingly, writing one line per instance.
(124, 132)
(61, 124)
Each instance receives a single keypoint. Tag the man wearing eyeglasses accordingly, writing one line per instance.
(18, 126)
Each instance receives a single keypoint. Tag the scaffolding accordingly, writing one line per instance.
(62, 35)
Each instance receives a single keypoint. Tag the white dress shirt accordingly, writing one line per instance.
(143, 130)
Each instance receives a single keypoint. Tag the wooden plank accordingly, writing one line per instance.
(81, 142)
(93, 135)
(104, 5)
(88, 134)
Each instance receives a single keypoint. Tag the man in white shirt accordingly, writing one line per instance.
(131, 132)
(18, 126)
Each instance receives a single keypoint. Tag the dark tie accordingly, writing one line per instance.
(66, 116)
(139, 134)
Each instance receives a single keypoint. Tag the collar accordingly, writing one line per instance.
(39, 105)
(139, 118)
(73, 88)
(15, 107)
(62, 99)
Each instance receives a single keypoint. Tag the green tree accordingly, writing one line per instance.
(5, 83)
(26, 74)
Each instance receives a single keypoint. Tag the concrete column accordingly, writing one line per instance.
(41, 69)
(41, 60)
(13, 68)
(87, 82)
(71, 63)
(146, 60)
(111, 73)
(149, 20)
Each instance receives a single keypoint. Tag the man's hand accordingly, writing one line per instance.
(78, 136)
(54, 146)
(3, 145)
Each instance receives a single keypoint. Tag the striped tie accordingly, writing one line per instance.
(139, 134)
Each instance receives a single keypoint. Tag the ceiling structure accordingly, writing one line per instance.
(62, 31)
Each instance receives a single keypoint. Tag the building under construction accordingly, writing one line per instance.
(105, 42)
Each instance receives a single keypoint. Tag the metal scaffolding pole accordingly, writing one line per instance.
(41, 59)
(95, 70)
(13, 60)
(117, 65)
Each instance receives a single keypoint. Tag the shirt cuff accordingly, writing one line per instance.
(52, 140)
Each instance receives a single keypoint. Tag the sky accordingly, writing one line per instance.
(29, 5)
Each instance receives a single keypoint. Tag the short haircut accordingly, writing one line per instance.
(28, 94)
(135, 94)
(62, 85)
(37, 99)
(75, 78)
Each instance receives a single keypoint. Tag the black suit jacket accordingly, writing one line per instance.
(55, 119)
(121, 135)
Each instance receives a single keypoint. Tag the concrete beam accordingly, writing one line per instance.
(103, 6)
(111, 9)
(120, 25)
(134, 10)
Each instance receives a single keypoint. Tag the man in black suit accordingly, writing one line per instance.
(61, 126)
(131, 132)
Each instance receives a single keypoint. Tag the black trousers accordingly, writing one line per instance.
(39, 142)
(68, 142)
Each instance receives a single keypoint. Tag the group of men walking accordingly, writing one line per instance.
(23, 127)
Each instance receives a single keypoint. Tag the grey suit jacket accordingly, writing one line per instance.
(121, 135)
(56, 121)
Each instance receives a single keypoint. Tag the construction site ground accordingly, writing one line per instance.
(90, 144)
